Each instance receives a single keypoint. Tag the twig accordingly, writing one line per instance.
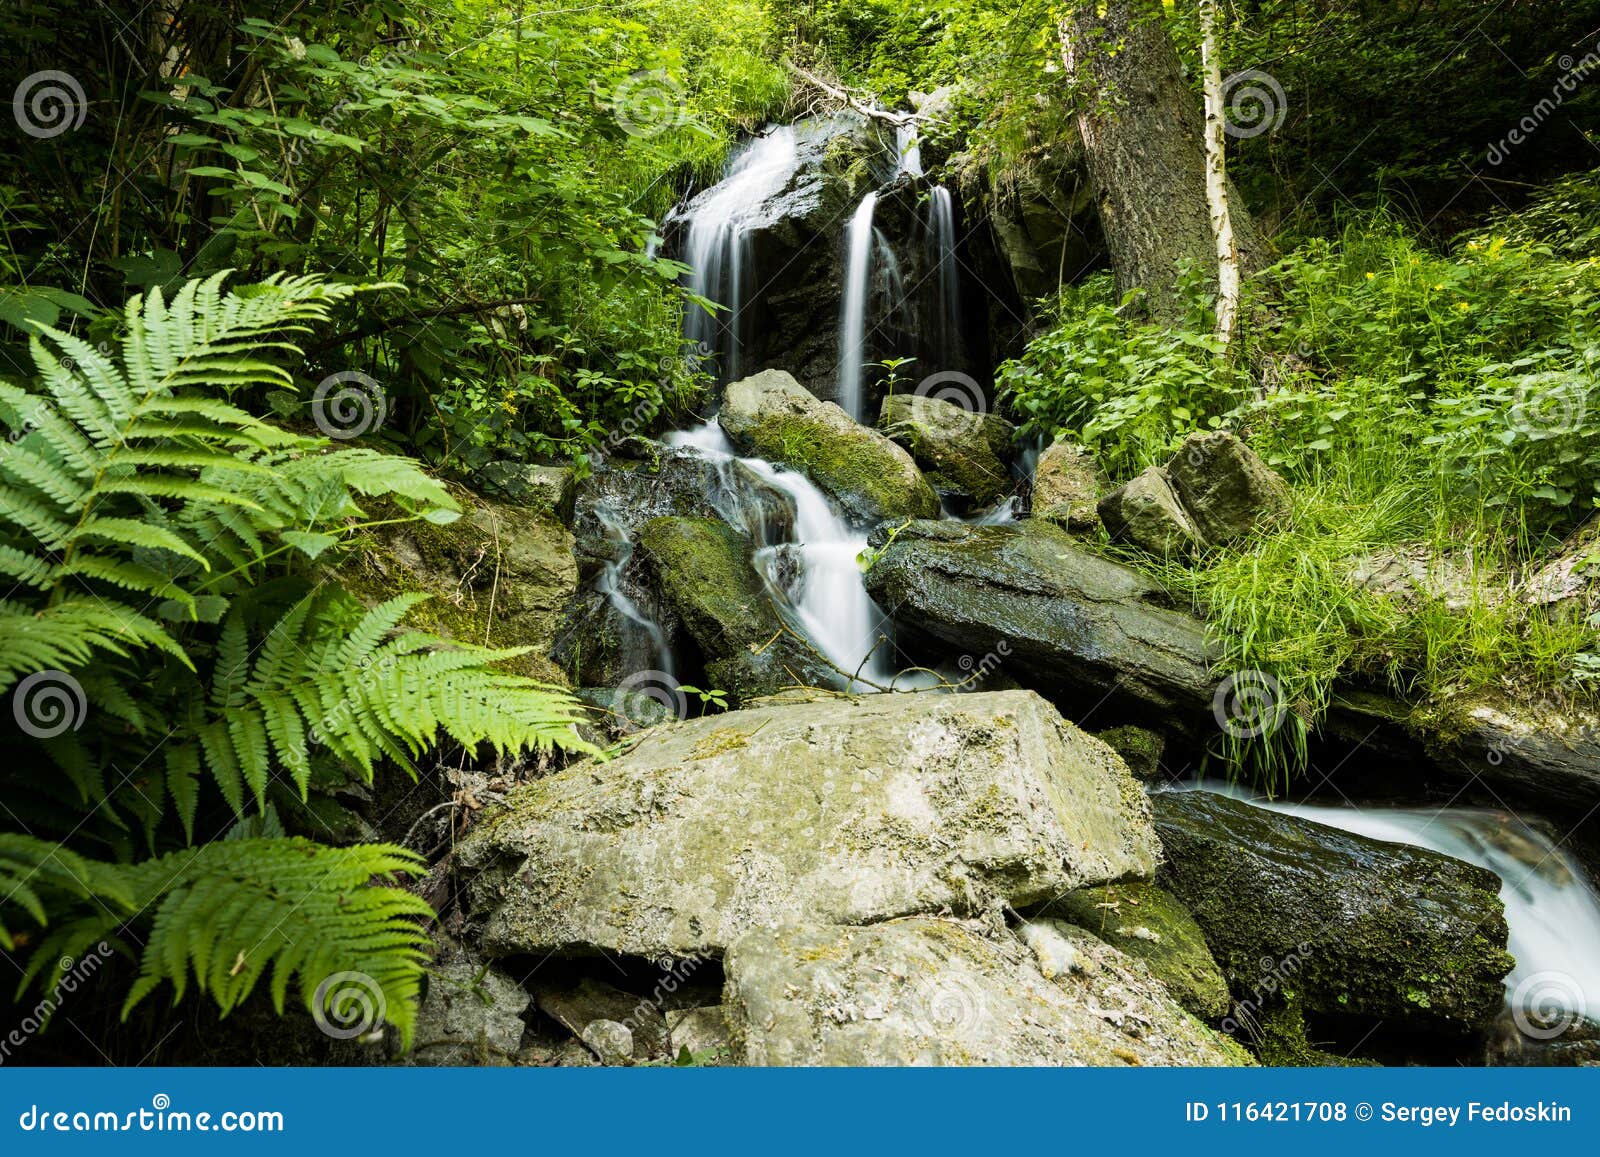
(897, 119)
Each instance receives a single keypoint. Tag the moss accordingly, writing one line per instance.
(1140, 749)
(720, 742)
(1279, 1039)
(1150, 924)
(837, 462)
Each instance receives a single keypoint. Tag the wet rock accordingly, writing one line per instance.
(963, 454)
(547, 489)
(1149, 924)
(703, 571)
(1147, 513)
(927, 991)
(838, 812)
(1532, 748)
(1067, 485)
(1227, 491)
(471, 1014)
(868, 476)
(1067, 620)
(1357, 927)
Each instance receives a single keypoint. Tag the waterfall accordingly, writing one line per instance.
(941, 234)
(610, 585)
(853, 311)
(1551, 908)
(717, 246)
(828, 602)
(908, 147)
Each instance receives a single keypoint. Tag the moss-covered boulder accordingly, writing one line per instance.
(501, 575)
(926, 991)
(1088, 630)
(1350, 926)
(1147, 513)
(703, 572)
(1149, 924)
(871, 479)
(1067, 485)
(840, 812)
(962, 454)
(1141, 749)
(1225, 488)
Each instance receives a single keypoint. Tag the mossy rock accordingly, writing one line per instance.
(1149, 923)
(871, 479)
(501, 575)
(963, 454)
(1141, 749)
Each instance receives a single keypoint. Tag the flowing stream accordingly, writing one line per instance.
(853, 314)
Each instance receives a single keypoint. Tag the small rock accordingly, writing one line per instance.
(471, 1014)
(1140, 748)
(1067, 485)
(703, 1031)
(607, 1019)
(1226, 490)
(547, 489)
(1147, 513)
(962, 453)
(611, 1041)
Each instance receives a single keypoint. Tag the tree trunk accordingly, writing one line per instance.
(1217, 204)
(1144, 139)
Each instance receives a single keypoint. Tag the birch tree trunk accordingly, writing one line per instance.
(1144, 139)
(1217, 176)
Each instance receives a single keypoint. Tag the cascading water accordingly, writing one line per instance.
(908, 147)
(610, 585)
(941, 234)
(717, 250)
(853, 313)
(1551, 909)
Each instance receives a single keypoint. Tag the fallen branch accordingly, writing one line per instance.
(898, 119)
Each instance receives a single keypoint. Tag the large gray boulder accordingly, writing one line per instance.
(772, 416)
(927, 991)
(1067, 620)
(1356, 926)
(962, 453)
(836, 812)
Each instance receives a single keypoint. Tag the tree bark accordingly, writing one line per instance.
(1144, 139)
(1217, 203)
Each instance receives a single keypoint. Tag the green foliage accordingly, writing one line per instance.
(1433, 411)
(164, 547)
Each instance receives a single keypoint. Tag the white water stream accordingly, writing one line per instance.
(853, 314)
